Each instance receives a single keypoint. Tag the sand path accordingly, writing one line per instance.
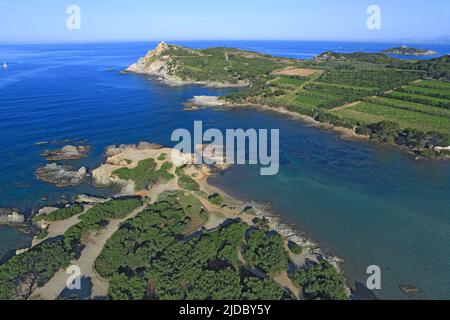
(284, 281)
(52, 289)
(95, 243)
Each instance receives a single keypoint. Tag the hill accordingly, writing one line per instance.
(403, 102)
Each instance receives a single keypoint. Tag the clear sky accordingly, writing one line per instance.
(106, 20)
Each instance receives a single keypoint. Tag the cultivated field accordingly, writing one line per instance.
(416, 106)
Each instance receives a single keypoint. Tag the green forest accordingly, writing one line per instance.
(150, 258)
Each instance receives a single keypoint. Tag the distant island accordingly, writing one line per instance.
(408, 51)
(362, 95)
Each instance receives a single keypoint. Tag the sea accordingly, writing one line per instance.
(369, 204)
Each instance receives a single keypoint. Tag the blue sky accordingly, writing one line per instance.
(109, 20)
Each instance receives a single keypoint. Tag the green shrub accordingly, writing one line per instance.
(266, 251)
(97, 217)
(185, 181)
(364, 131)
(34, 267)
(145, 174)
(162, 157)
(216, 199)
(60, 214)
(258, 289)
(295, 248)
(43, 233)
(321, 281)
(122, 287)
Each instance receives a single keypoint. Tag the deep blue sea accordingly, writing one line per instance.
(371, 205)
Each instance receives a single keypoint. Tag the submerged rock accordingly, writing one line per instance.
(68, 152)
(61, 176)
(11, 216)
(409, 290)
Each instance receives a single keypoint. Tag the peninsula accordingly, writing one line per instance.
(167, 235)
(366, 95)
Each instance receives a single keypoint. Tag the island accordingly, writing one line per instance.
(167, 235)
(409, 51)
(362, 95)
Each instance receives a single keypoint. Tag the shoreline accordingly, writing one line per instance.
(344, 133)
(231, 208)
(286, 227)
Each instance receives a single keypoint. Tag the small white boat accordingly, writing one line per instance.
(5, 66)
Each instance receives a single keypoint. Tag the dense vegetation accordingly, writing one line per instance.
(438, 68)
(23, 273)
(146, 173)
(157, 255)
(150, 253)
(390, 132)
(266, 251)
(321, 281)
(60, 214)
(98, 216)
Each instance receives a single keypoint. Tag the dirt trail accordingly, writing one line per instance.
(284, 281)
(94, 243)
(58, 228)
(52, 289)
(348, 105)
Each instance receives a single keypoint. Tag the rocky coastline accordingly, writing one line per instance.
(61, 176)
(160, 66)
(68, 152)
(128, 156)
(197, 102)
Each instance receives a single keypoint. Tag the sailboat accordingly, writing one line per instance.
(5, 66)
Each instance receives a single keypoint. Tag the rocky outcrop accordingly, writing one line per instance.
(158, 64)
(409, 290)
(11, 216)
(46, 211)
(206, 101)
(112, 151)
(86, 199)
(61, 176)
(329, 56)
(68, 152)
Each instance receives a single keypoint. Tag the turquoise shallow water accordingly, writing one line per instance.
(11, 239)
(369, 204)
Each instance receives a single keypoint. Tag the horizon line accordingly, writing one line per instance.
(386, 41)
